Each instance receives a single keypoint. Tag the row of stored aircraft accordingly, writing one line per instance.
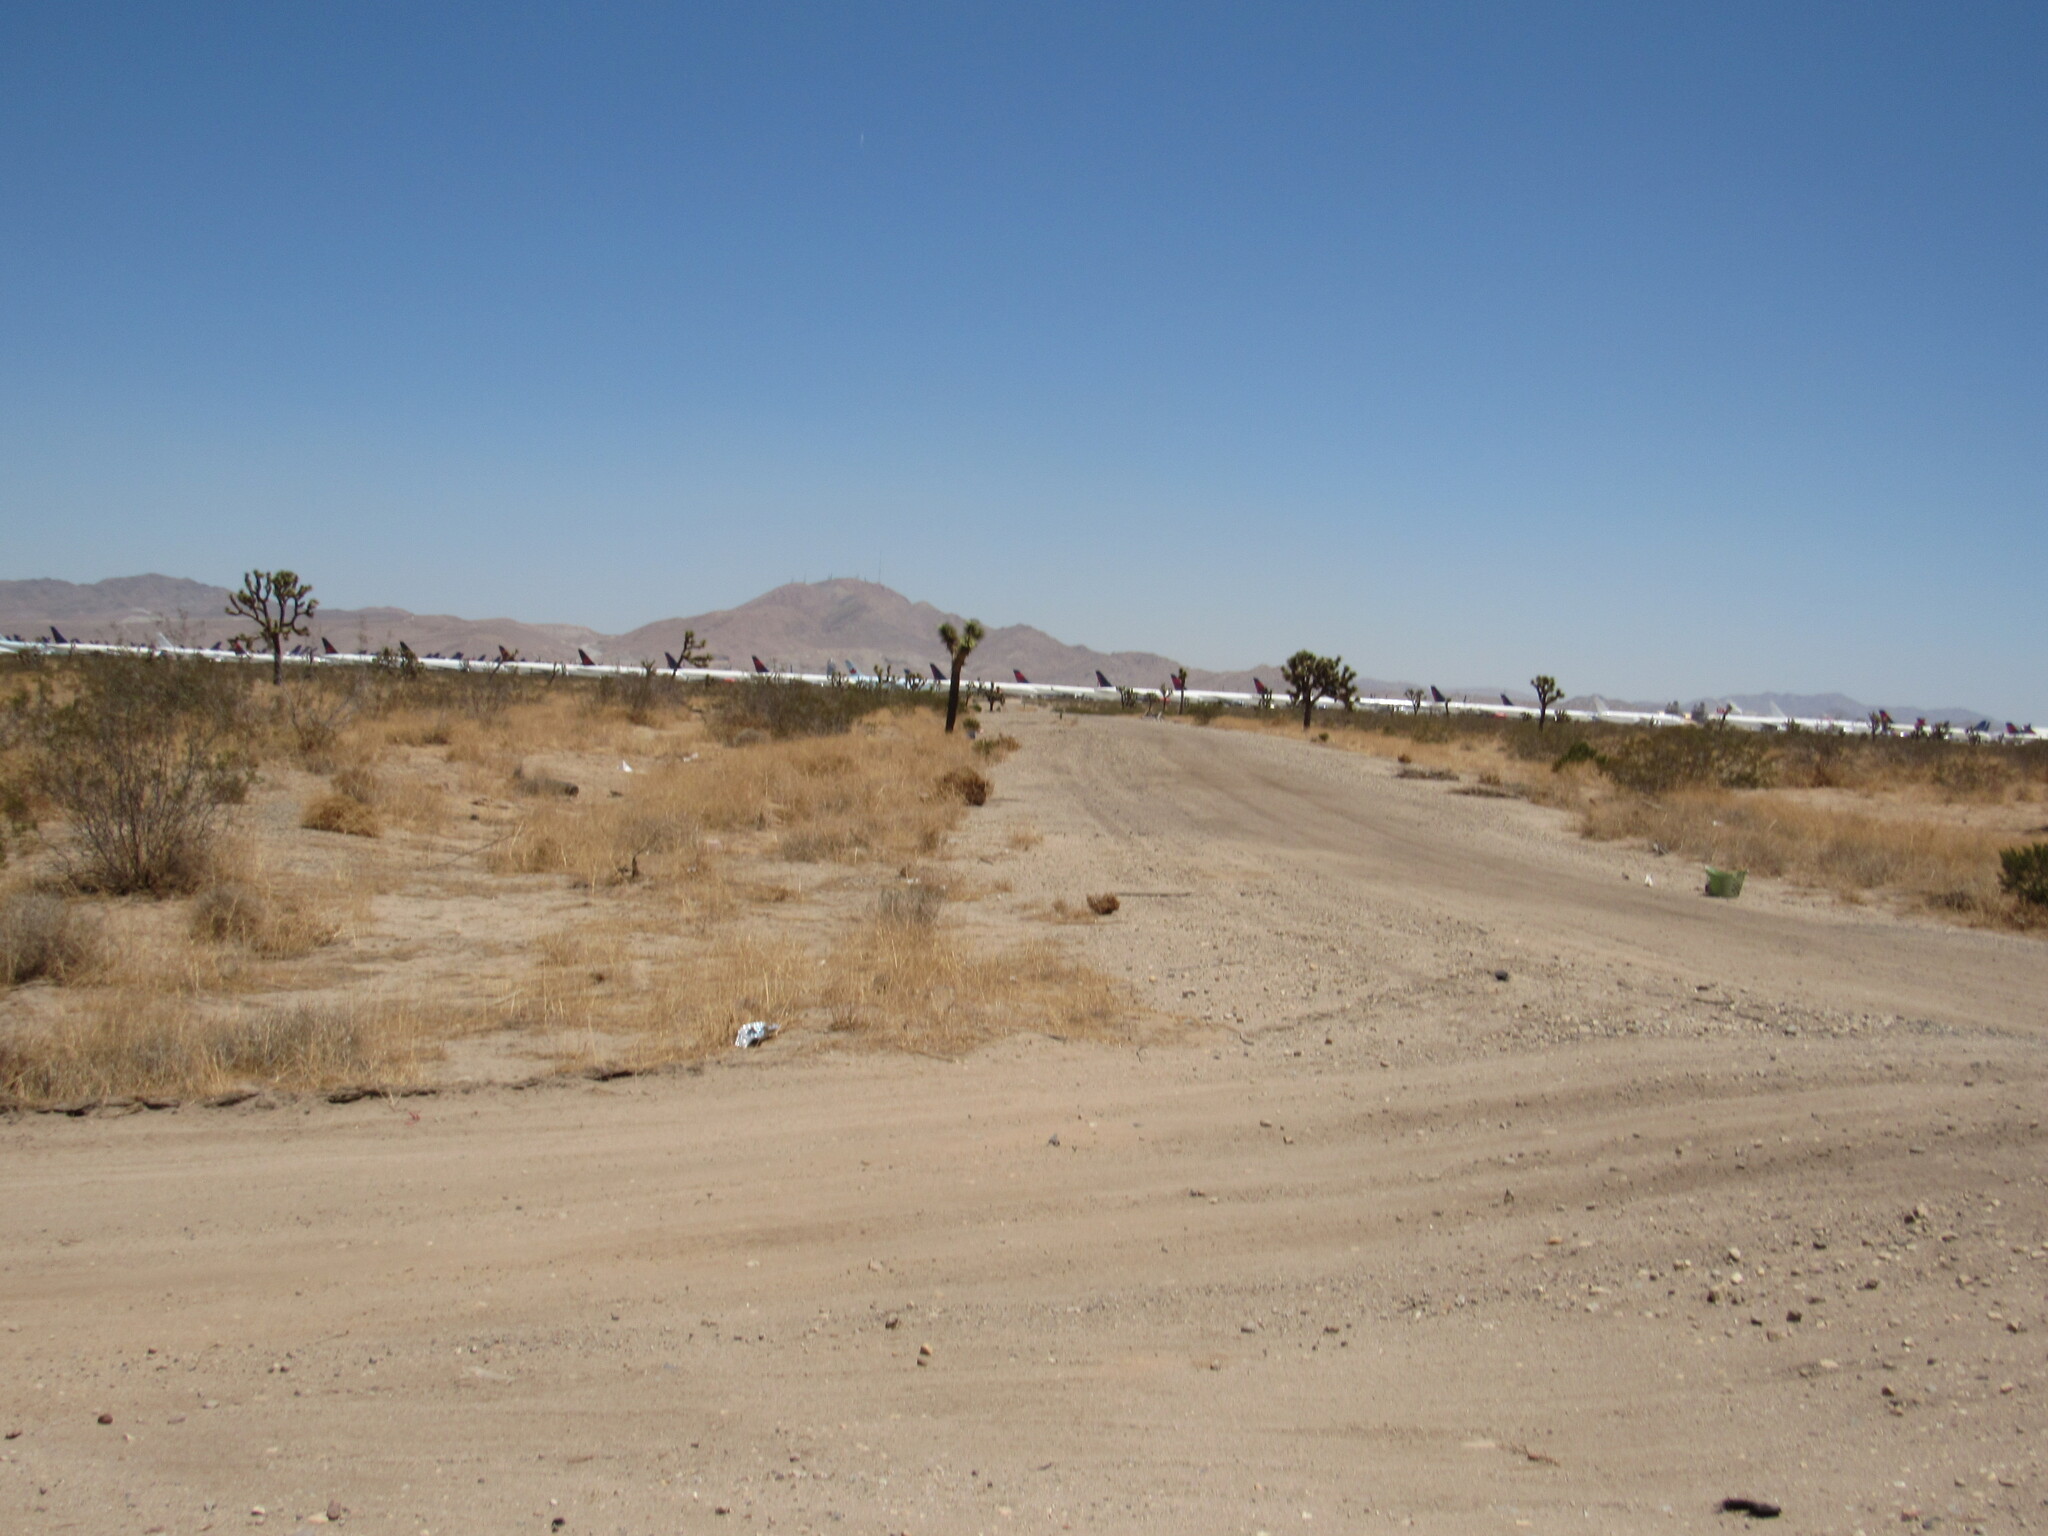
(911, 675)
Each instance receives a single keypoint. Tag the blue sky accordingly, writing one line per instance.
(1669, 349)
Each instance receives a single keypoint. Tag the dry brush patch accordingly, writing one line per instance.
(141, 1044)
(1741, 799)
(687, 850)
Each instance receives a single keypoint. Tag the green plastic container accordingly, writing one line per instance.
(1725, 882)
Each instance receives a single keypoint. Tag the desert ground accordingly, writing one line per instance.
(1461, 1175)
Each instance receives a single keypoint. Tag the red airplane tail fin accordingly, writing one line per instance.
(1020, 677)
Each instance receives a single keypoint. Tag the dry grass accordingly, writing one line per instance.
(341, 813)
(916, 986)
(260, 978)
(1908, 834)
(1770, 833)
(141, 1044)
(900, 978)
(275, 920)
(45, 936)
(884, 793)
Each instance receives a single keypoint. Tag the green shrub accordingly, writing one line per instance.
(2026, 873)
(1577, 752)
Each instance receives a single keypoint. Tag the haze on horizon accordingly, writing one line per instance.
(1673, 352)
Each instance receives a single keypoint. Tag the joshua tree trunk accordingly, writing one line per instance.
(953, 693)
(958, 643)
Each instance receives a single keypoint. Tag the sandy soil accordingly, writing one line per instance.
(1704, 1199)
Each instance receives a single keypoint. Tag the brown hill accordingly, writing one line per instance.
(798, 627)
(139, 608)
(801, 626)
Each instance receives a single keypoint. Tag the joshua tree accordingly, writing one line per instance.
(694, 652)
(958, 643)
(278, 604)
(1547, 694)
(1180, 686)
(1310, 677)
(1414, 696)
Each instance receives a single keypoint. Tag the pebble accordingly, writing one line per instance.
(106, 1418)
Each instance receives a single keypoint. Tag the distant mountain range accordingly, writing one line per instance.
(798, 627)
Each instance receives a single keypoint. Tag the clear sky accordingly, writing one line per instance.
(1671, 349)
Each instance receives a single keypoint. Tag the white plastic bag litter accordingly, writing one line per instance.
(753, 1034)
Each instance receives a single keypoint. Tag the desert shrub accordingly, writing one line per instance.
(643, 696)
(2025, 873)
(914, 906)
(965, 785)
(341, 813)
(997, 747)
(359, 782)
(270, 922)
(43, 935)
(781, 710)
(300, 1045)
(141, 762)
(314, 706)
(1656, 762)
(1969, 771)
(1580, 751)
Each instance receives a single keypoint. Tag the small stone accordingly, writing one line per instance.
(1053, 1140)
(106, 1418)
(1795, 1316)
(1500, 975)
(335, 1511)
(924, 1351)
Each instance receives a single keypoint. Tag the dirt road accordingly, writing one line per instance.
(1704, 1199)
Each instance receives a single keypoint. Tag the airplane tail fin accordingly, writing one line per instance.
(1019, 676)
(57, 635)
(327, 647)
(1507, 701)
(937, 675)
(584, 656)
(1103, 682)
(759, 665)
(673, 664)
(1436, 697)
